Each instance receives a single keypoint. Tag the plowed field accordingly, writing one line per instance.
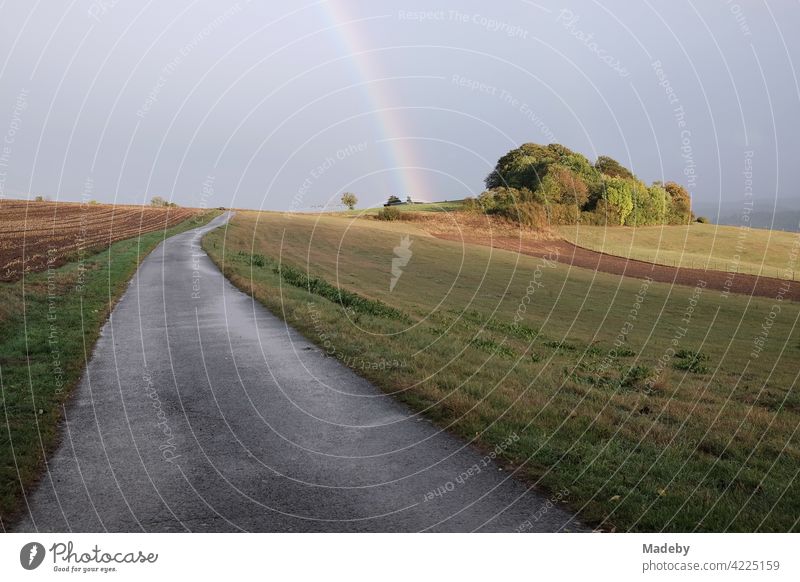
(37, 235)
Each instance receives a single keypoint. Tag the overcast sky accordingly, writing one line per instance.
(284, 105)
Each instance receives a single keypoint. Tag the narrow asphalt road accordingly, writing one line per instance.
(201, 411)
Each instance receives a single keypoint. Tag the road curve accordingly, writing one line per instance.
(201, 411)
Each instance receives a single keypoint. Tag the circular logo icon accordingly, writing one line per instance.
(31, 555)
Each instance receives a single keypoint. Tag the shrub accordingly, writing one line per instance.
(389, 213)
(680, 211)
(528, 213)
(472, 205)
(703, 220)
(604, 214)
(563, 214)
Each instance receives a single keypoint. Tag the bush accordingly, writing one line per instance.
(681, 204)
(389, 213)
(528, 213)
(472, 205)
(563, 214)
(604, 214)
(703, 220)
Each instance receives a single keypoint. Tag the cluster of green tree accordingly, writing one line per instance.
(540, 185)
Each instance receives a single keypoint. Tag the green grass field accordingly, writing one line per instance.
(644, 401)
(760, 252)
(47, 330)
(445, 206)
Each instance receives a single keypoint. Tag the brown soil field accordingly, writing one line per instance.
(38, 235)
(538, 245)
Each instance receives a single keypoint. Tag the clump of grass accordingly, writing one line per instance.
(347, 299)
(556, 345)
(521, 331)
(492, 347)
(595, 349)
(256, 260)
(588, 373)
(517, 330)
(635, 376)
(690, 361)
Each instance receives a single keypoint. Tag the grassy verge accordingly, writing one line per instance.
(643, 400)
(47, 329)
(700, 246)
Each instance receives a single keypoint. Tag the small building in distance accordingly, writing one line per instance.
(395, 201)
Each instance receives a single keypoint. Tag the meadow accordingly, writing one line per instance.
(658, 407)
(49, 322)
(722, 248)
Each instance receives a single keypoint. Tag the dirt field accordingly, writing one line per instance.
(35, 235)
(573, 255)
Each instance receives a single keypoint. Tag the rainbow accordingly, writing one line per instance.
(406, 173)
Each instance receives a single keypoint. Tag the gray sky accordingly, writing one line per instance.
(284, 105)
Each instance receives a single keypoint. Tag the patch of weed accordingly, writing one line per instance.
(690, 361)
(492, 347)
